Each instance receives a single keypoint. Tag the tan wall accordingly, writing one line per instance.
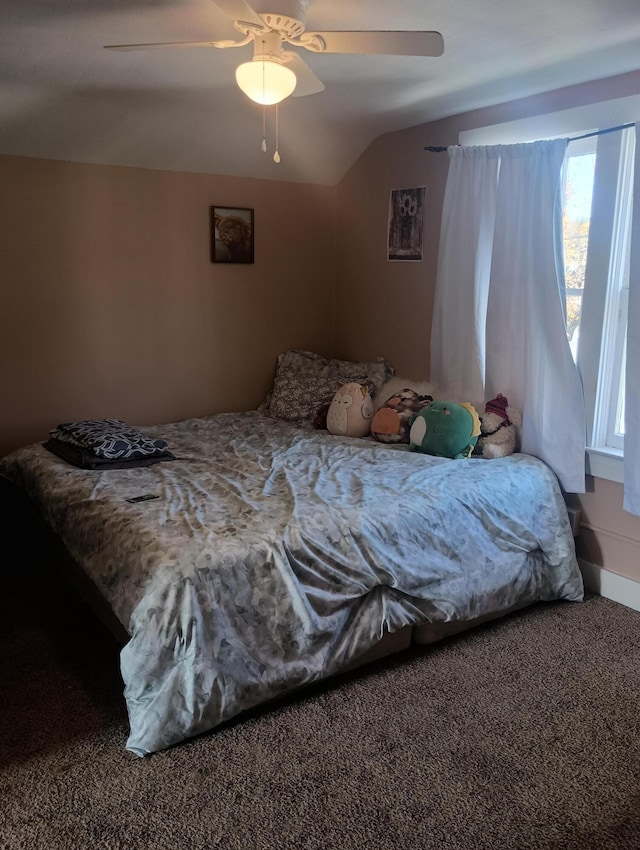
(110, 305)
(609, 536)
(386, 307)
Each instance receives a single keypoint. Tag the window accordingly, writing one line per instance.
(597, 206)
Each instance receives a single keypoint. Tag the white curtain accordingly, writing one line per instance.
(498, 323)
(632, 381)
(462, 288)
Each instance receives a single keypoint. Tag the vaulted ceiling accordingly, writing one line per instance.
(62, 96)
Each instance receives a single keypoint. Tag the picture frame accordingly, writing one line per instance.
(405, 224)
(232, 234)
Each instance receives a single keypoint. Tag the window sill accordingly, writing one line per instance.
(605, 463)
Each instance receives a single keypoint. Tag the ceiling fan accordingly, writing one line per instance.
(274, 73)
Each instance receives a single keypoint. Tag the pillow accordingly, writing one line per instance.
(299, 395)
(305, 382)
(374, 372)
(298, 362)
(390, 423)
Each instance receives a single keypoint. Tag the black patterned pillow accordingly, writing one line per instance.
(110, 439)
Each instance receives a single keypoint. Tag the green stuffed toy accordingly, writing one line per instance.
(445, 429)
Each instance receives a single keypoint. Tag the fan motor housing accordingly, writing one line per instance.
(289, 19)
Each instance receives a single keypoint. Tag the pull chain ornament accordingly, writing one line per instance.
(276, 155)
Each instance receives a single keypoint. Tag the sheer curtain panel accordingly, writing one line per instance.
(498, 322)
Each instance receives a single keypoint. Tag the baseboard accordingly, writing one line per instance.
(610, 585)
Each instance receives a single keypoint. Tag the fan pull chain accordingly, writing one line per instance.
(276, 156)
(264, 109)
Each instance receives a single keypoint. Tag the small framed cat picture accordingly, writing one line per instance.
(231, 235)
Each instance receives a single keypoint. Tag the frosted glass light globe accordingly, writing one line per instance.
(265, 82)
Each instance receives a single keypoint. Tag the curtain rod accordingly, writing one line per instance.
(441, 149)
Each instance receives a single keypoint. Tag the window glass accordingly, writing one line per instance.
(576, 218)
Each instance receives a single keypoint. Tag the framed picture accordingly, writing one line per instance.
(231, 235)
(406, 208)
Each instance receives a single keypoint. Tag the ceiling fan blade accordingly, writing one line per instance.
(307, 83)
(153, 45)
(240, 10)
(398, 43)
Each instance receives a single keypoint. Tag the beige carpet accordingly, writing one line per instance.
(523, 734)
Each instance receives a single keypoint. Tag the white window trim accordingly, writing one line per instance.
(604, 309)
(620, 279)
(605, 463)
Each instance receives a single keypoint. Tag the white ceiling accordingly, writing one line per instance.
(63, 97)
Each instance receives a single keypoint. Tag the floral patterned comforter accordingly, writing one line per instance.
(275, 555)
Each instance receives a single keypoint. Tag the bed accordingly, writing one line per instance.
(276, 555)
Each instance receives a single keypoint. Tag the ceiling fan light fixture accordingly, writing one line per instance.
(266, 81)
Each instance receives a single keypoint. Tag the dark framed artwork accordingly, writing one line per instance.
(406, 208)
(231, 235)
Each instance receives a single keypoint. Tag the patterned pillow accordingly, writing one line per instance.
(371, 372)
(299, 395)
(298, 360)
(315, 374)
(294, 361)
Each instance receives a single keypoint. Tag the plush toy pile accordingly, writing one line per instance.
(434, 427)
(499, 429)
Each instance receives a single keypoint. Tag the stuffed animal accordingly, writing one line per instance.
(445, 429)
(498, 429)
(390, 423)
(350, 412)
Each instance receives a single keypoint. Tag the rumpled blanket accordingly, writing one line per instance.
(273, 556)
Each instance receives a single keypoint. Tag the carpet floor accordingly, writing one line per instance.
(521, 734)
